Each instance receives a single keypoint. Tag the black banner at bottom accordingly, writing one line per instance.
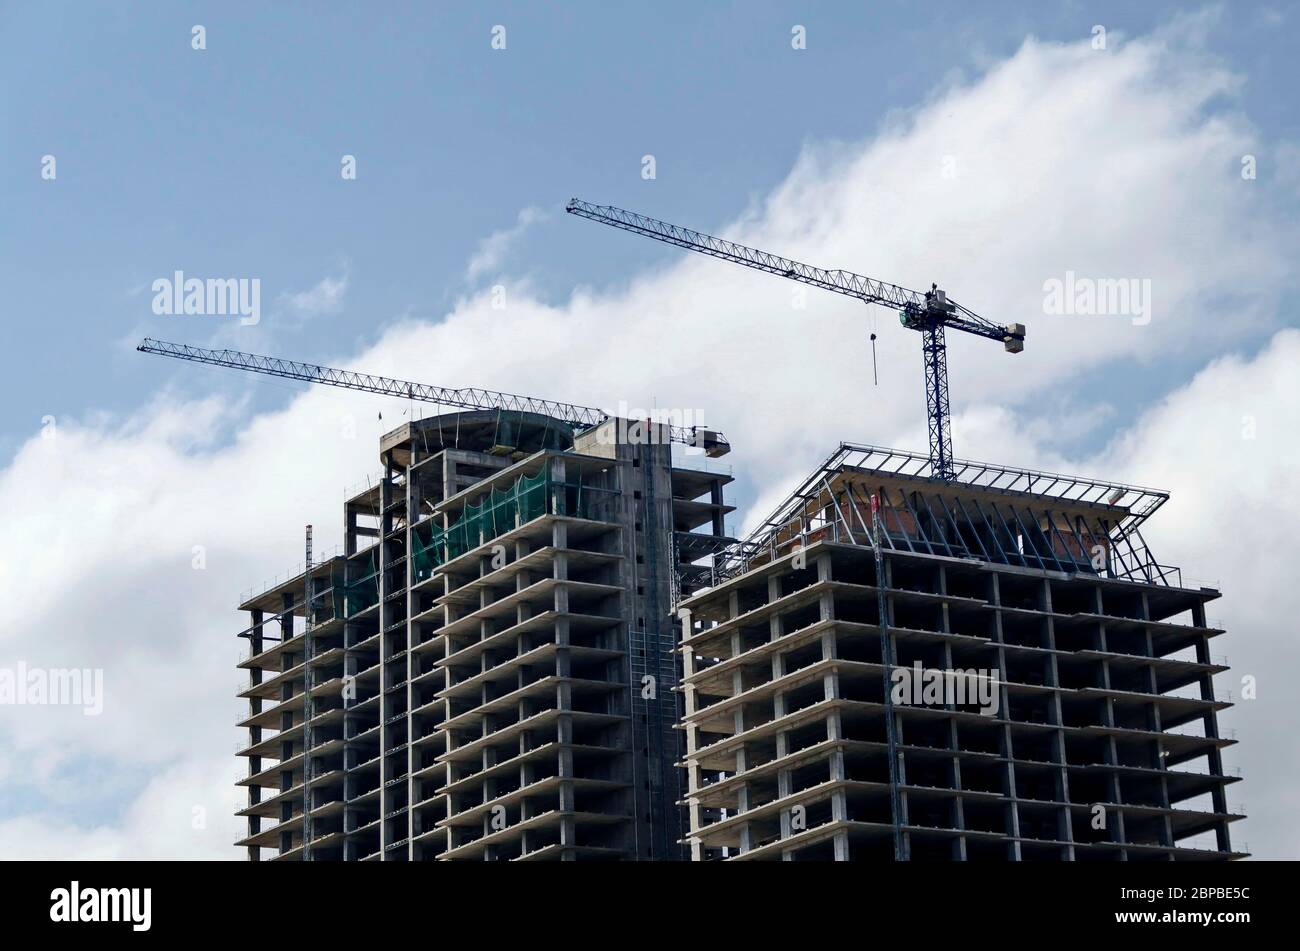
(657, 902)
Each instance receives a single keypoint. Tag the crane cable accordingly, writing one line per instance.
(875, 376)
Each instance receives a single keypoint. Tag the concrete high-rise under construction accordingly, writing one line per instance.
(490, 659)
(540, 645)
(1087, 727)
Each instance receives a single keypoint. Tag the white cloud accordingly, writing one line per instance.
(183, 812)
(1223, 446)
(1119, 164)
(324, 299)
(493, 249)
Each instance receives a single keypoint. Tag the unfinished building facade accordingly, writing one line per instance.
(1096, 740)
(485, 671)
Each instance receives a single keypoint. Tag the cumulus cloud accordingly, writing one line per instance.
(1118, 163)
(323, 299)
(1221, 445)
(493, 250)
(183, 811)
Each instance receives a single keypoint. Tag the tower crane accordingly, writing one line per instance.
(931, 313)
(580, 418)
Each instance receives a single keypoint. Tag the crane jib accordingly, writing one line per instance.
(581, 418)
(930, 312)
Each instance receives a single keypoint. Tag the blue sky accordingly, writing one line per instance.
(225, 162)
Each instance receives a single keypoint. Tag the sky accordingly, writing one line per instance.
(994, 148)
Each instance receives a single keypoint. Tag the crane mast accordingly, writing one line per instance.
(930, 313)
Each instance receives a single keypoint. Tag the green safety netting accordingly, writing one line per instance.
(497, 513)
(423, 556)
(501, 511)
(360, 593)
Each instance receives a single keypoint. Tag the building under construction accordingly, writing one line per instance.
(486, 670)
(1098, 740)
(540, 645)
(912, 658)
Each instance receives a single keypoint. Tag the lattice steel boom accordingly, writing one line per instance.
(929, 312)
(579, 417)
